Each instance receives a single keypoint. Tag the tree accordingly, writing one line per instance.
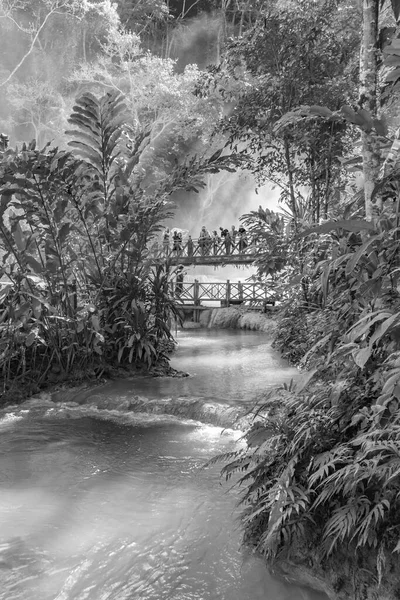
(321, 469)
(367, 116)
(368, 99)
(295, 156)
(169, 108)
(38, 110)
(41, 42)
(32, 21)
(37, 21)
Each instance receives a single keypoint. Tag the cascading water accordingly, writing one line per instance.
(104, 498)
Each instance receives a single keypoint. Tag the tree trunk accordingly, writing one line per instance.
(84, 42)
(290, 183)
(314, 192)
(367, 101)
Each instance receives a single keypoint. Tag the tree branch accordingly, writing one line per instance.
(53, 11)
(17, 25)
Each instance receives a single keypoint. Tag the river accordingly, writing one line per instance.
(115, 505)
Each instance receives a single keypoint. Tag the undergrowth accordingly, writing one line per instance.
(80, 294)
(322, 472)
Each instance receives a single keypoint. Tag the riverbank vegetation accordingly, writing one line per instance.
(81, 294)
(82, 205)
(302, 95)
(320, 476)
(78, 294)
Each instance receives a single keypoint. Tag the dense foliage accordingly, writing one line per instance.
(279, 78)
(319, 469)
(80, 292)
(320, 464)
(324, 469)
(69, 231)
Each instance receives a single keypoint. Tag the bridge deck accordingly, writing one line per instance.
(208, 252)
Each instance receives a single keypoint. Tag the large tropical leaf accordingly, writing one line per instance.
(396, 9)
(97, 128)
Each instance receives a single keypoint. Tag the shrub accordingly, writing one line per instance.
(79, 289)
(324, 470)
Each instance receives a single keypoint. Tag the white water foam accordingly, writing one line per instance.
(10, 418)
(130, 410)
(117, 416)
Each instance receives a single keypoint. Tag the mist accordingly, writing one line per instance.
(226, 197)
(36, 102)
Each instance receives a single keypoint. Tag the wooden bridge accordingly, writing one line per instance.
(251, 294)
(208, 252)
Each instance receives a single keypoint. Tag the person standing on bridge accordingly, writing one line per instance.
(209, 242)
(227, 242)
(177, 242)
(203, 240)
(166, 237)
(180, 275)
(242, 239)
(233, 236)
(215, 242)
(190, 246)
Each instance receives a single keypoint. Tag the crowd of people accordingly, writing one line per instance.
(209, 243)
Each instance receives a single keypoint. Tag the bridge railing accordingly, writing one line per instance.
(187, 291)
(211, 291)
(225, 292)
(204, 247)
(249, 291)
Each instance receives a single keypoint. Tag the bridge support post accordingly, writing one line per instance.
(196, 301)
(196, 292)
(228, 293)
(240, 288)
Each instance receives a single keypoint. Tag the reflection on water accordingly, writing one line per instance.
(98, 510)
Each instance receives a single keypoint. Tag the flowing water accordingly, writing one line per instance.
(102, 504)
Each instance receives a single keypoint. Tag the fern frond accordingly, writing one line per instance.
(237, 466)
(326, 461)
(368, 525)
(222, 458)
(343, 522)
